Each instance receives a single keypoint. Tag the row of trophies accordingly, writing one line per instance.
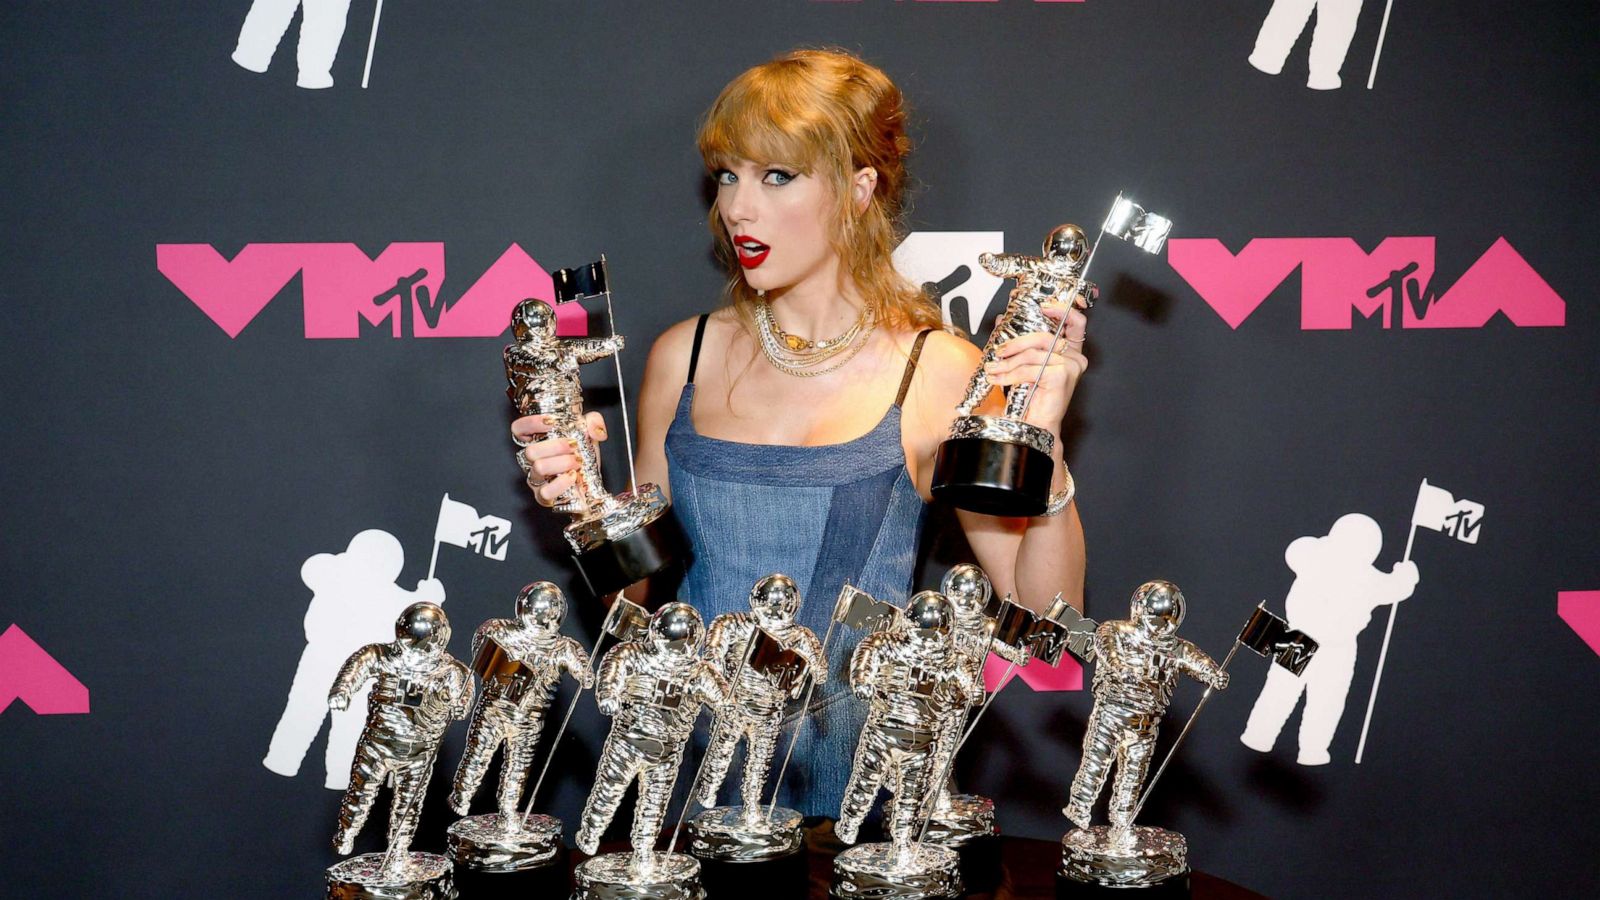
(919, 668)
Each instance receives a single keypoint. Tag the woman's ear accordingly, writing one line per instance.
(862, 184)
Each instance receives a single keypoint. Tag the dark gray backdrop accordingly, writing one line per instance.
(164, 482)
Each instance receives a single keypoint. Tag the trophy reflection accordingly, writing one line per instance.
(617, 539)
(653, 689)
(768, 659)
(915, 681)
(520, 661)
(1137, 664)
(418, 688)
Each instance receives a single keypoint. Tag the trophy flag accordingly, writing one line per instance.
(1271, 637)
(769, 657)
(460, 526)
(858, 609)
(1438, 510)
(1130, 222)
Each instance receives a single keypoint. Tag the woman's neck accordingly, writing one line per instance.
(816, 310)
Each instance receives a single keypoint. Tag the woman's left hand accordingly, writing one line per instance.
(1018, 361)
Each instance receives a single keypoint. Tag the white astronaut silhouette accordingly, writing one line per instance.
(354, 602)
(1330, 40)
(321, 28)
(1335, 591)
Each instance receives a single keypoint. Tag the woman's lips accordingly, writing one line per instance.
(751, 252)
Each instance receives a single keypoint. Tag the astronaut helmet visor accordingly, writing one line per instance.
(1067, 241)
(775, 600)
(541, 605)
(532, 319)
(968, 589)
(423, 626)
(1158, 606)
(676, 628)
(929, 619)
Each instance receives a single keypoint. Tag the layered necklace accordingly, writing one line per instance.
(795, 355)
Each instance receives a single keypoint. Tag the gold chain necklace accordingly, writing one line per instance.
(797, 356)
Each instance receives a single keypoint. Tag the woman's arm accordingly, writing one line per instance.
(1033, 559)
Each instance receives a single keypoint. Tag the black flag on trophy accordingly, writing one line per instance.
(1270, 636)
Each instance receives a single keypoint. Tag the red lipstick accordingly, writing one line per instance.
(750, 251)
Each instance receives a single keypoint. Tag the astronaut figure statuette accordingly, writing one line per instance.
(1001, 465)
(616, 540)
(653, 689)
(767, 657)
(1137, 664)
(520, 661)
(418, 689)
(959, 818)
(915, 681)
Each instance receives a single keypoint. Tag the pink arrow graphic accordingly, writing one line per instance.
(1581, 610)
(1068, 676)
(29, 674)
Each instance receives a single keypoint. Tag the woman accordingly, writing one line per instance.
(796, 427)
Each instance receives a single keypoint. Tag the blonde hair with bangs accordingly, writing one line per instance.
(830, 114)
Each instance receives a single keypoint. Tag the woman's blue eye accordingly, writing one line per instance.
(723, 176)
(778, 177)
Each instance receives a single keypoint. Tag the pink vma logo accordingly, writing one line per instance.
(347, 293)
(1394, 282)
(29, 674)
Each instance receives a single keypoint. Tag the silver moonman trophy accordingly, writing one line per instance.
(653, 689)
(1001, 465)
(957, 819)
(418, 689)
(617, 539)
(767, 657)
(914, 681)
(519, 661)
(1137, 664)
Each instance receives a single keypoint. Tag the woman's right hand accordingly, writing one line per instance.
(553, 458)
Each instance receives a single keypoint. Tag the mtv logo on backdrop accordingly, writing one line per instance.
(945, 265)
(348, 294)
(1395, 283)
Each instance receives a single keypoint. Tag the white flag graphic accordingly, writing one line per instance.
(1438, 510)
(461, 526)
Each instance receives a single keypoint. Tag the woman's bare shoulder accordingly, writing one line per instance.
(672, 348)
(947, 361)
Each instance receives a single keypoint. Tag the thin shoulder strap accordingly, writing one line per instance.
(694, 354)
(911, 367)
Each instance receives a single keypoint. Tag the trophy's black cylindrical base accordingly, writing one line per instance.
(654, 547)
(1174, 888)
(550, 880)
(981, 868)
(783, 878)
(996, 478)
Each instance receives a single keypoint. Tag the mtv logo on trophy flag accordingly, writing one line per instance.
(1269, 636)
(860, 610)
(460, 525)
(1128, 221)
(1437, 509)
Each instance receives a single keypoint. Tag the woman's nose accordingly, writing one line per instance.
(737, 203)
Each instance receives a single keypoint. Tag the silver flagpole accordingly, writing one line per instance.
(594, 663)
(733, 694)
(800, 718)
(950, 761)
(1061, 325)
(1186, 726)
(622, 391)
